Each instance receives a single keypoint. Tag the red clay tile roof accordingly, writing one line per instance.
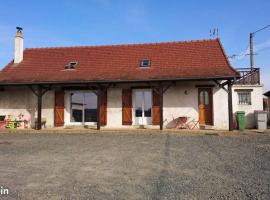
(199, 59)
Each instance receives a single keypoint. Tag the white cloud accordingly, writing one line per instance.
(262, 46)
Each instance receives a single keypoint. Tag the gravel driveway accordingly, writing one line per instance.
(149, 165)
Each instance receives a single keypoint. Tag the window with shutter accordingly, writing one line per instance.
(59, 109)
(126, 107)
(156, 108)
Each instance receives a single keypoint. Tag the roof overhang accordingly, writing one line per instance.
(113, 81)
(267, 94)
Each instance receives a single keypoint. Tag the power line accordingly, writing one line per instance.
(261, 29)
(250, 46)
(251, 36)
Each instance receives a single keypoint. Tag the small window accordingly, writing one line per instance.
(244, 97)
(204, 98)
(71, 65)
(145, 63)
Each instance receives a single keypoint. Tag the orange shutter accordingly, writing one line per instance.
(59, 109)
(103, 109)
(156, 109)
(126, 107)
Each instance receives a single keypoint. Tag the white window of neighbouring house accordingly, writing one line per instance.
(244, 97)
(83, 107)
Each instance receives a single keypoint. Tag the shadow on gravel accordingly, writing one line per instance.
(6, 142)
(163, 185)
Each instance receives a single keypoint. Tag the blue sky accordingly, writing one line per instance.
(94, 22)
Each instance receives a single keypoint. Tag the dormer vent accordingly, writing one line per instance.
(145, 63)
(71, 65)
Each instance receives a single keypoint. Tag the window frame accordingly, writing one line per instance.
(142, 65)
(71, 65)
(244, 97)
(69, 116)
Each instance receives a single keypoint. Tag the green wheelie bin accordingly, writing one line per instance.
(241, 120)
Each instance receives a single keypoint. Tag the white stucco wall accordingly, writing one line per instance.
(256, 102)
(177, 103)
(14, 101)
(67, 108)
(114, 107)
(220, 104)
(268, 109)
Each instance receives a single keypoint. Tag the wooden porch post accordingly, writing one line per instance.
(230, 109)
(161, 107)
(39, 109)
(98, 108)
(39, 93)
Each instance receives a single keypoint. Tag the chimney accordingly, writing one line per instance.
(18, 51)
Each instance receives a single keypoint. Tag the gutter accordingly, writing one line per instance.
(114, 81)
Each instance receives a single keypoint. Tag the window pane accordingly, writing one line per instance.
(147, 103)
(244, 98)
(202, 97)
(206, 98)
(138, 103)
(90, 107)
(76, 107)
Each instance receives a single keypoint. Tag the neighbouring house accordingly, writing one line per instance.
(268, 104)
(248, 94)
(122, 86)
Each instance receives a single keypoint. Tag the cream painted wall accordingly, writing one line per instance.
(14, 101)
(67, 108)
(177, 103)
(114, 107)
(268, 109)
(220, 104)
(256, 102)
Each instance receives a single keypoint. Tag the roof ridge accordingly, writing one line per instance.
(123, 45)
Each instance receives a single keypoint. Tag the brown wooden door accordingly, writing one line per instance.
(126, 107)
(59, 109)
(205, 99)
(156, 109)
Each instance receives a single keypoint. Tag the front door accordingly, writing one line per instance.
(142, 107)
(205, 106)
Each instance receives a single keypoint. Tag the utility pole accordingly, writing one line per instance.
(251, 36)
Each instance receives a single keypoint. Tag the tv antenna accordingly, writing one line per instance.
(214, 33)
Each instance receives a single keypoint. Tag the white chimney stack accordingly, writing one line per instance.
(18, 51)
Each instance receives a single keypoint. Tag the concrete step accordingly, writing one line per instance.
(206, 127)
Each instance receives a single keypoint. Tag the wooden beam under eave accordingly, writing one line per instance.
(39, 114)
(41, 90)
(161, 107)
(98, 108)
(230, 108)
